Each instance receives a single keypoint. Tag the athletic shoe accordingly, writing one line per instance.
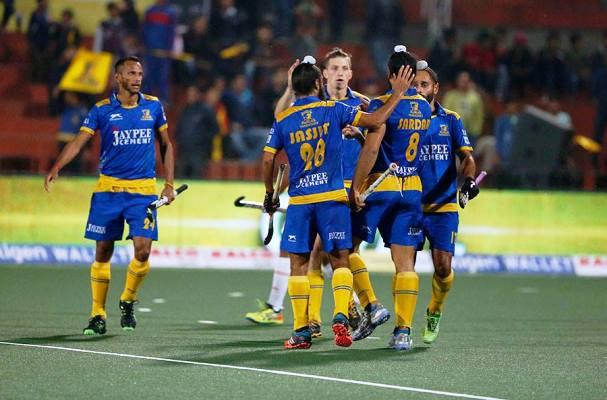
(127, 319)
(375, 315)
(96, 326)
(432, 325)
(265, 316)
(354, 316)
(299, 340)
(315, 329)
(341, 331)
(401, 339)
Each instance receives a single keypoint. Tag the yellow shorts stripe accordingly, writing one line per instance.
(439, 208)
(334, 195)
(146, 186)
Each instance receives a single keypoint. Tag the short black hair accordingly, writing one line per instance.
(304, 78)
(432, 73)
(401, 59)
(123, 60)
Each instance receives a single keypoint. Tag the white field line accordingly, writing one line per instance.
(268, 371)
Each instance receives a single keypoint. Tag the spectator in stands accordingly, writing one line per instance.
(230, 31)
(501, 50)
(444, 55)
(73, 114)
(129, 16)
(221, 141)
(550, 71)
(504, 130)
(196, 129)
(266, 98)
(264, 56)
(131, 46)
(385, 19)
(308, 16)
(38, 39)
(201, 46)
(520, 65)
(467, 102)
(480, 58)
(57, 70)
(485, 153)
(158, 36)
(578, 64)
(110, 33)
(64, 34)
(246, 139)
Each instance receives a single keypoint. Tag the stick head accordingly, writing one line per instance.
(393, 167)
(238, 201)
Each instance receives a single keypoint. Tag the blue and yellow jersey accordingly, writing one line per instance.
(127, 139)
(310, 133)
(352, 147)
(406, 129)
(446, 137)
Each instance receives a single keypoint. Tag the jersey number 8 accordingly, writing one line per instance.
(411, 151)
(309, 155)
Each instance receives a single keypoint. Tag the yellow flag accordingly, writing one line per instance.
(87, 73)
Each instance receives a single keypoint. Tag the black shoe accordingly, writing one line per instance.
(96, 326)
(354, 316)
(127, 320)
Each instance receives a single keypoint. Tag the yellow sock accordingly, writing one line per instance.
(100, 282)
(362, 281)
(393, 289)
(440, 290)
(342, 288)
(317, 282)
(134, 276)
(405, 297)
(299, 292)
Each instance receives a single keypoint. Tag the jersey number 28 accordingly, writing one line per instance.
(309, 155)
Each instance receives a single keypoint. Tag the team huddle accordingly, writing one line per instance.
(332, 162)
(355, 166)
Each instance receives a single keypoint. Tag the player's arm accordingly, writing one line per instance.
(268, 159)
(400, 83)
(67, 154)
(168, 161)
(288, 97)
(366, 160)
(468, 169)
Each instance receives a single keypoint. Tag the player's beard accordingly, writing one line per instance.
(429, 97)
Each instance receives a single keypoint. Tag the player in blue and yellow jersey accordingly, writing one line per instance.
(310, 133)
(395, 206)
(128, 122)
(446, 140)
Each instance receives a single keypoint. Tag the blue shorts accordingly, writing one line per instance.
(441, 231)
(329, 219)
(397, 215)
(109, 210)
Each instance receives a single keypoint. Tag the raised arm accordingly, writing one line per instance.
(400, 83)
(67, 154)
(288, 97)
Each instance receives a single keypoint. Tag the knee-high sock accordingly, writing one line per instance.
(440, 290)
(362, 281)
(134, 276)
(405, 297)
(317, 283)
(280, 283)
(342, 287)
(100, 282)
(394, 289)
(299, 292)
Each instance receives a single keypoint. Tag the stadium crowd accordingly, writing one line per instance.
(230, 58)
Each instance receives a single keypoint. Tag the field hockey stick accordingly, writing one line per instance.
(156, 204)
(240, 202)
(379, 180)
(463, 197)
(281, 173)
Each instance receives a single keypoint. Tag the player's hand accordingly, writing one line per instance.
(50, 178)
(468, 191)
(169, 193)
(401, 81)
(269, 205)
(351, 131)
(290, 74)
(356, 202)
